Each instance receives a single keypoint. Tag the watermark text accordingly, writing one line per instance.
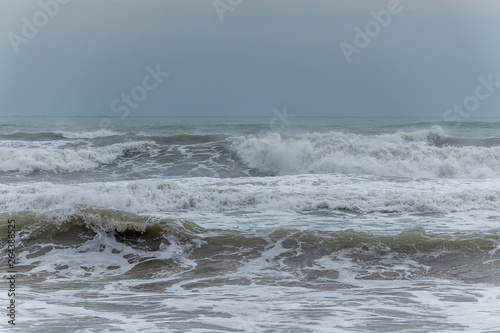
(372, 29)
(484, 90)
(281, 120)
(138, 94)
(222, 6)
(30, 28)
(11, 273)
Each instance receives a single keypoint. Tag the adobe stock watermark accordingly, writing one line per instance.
(30, 28)
(138, 94)
(372, 29)
(281, 120)
(222, 6)
(484, 90)
(11, 277)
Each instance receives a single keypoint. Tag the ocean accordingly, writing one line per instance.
(223, 224)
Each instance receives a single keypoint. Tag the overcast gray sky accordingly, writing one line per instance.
(246, 57)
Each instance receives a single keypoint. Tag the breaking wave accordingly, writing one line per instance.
(103, 242)
(301, 194)
(55, 157)
(420, 154)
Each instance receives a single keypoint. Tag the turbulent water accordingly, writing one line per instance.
(232, 224)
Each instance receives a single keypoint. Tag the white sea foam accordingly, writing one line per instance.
(420, 154)
(112, 253)
(27, 157)
(368, 306)
(274, 196)
(87, 135)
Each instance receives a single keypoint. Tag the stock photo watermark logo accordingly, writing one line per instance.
(484, 90)
(12, 272)
(138, 94)
(221, 6)
(363, 37)
(30, 28)
(281, 120)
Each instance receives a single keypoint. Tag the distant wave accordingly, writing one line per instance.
(164, 139)
(419, 154)
(430, 153)
(475, 124)
(87, 135)
(57, 135)
(19, 157)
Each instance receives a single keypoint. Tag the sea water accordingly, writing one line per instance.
(232, 224)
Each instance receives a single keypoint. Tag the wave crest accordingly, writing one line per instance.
(421, 154)
(37, 158)
(300, 194)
